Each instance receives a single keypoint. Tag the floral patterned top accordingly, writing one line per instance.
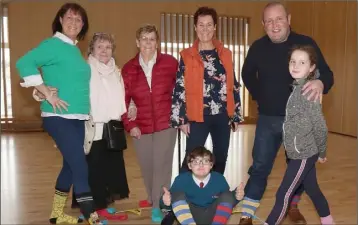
(214, 90)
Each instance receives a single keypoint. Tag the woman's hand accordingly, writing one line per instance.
(185, 128)
(235, 126)
(38, 96)
(57, 103)
(132, 113)
(135, 132)
(53, 99)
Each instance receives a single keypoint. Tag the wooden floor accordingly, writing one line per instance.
(30, 164)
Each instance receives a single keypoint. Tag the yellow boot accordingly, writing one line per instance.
(57, 214)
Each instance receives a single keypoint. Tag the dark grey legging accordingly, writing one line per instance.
(298, 172)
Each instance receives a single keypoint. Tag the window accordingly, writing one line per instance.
(6, 100)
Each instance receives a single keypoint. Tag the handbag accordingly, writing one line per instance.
(114, 134)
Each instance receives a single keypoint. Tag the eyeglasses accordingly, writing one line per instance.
(197, 162)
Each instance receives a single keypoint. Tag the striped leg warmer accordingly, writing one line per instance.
(182, 212)
(223, 213)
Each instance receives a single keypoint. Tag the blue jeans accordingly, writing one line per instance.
(268, 139)
(69, 137)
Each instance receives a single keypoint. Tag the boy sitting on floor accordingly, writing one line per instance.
(200, 196)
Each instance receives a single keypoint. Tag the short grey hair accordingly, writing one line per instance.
(147, 28)
(102, 37)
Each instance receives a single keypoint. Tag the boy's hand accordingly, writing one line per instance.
(322, 160)
(240, 192)
(167, 199)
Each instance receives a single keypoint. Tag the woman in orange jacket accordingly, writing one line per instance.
(206, 95)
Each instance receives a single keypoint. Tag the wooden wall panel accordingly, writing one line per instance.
(26, 30)
(30, 22)
(331, 24)
(301, 16)
(349, 121)
(331, 17)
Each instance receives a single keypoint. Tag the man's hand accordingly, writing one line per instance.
(315, 88)
(167, 199)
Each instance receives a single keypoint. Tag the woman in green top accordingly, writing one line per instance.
(64, 68)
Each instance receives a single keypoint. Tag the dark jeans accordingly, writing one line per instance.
(298, 172)
(107, 174)
(69, 137)
(219, 129)
(268, 139)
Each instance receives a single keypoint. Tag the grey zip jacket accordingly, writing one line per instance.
(304, 129)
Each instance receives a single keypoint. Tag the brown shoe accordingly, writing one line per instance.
(245, 221)
(295, 216)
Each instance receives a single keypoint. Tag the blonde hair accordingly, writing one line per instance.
(147, 28)
(100, 36)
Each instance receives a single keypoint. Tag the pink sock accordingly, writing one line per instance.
(328, 220)
(295, 200)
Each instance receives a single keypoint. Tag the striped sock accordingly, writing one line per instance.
(249, 207)
(182, 212)
(223, 213)
(86, 203)
(295, 200)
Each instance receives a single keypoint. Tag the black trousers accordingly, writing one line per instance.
(107, 174)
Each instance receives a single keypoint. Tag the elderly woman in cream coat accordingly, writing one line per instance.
(107, 176)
